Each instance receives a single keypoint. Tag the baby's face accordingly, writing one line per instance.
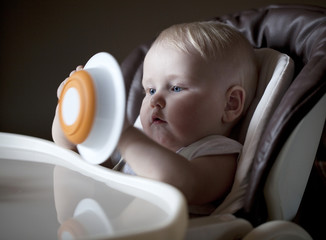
(184, 102)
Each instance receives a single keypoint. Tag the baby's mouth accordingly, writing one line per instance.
(157, 120)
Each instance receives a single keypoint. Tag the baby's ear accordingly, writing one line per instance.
(235, 99)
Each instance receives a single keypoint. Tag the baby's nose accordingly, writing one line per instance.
(157, 100)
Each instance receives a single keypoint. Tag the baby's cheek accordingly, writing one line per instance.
(185, 123)
(144, 122)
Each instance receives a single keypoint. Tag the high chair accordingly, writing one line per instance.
(281, 131)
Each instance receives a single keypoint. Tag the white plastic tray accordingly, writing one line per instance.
(48, 192)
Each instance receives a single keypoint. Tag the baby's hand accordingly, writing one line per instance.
(57, 132)
(59, 90)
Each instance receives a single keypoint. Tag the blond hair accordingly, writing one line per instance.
(214, 41)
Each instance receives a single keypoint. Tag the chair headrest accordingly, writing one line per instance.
(276, 73)
(275, 68)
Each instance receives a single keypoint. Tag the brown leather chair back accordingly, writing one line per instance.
(300, 32)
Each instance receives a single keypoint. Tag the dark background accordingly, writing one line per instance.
(42, 41)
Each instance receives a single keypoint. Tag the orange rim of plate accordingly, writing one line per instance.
(80, 129)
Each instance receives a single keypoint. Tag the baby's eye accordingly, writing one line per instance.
(177, 89)
(151, 91)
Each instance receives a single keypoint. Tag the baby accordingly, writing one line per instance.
(199, 79)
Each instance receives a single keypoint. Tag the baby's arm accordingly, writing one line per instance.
(201, 180)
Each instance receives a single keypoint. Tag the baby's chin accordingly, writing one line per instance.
(166, 143)
(165, 139)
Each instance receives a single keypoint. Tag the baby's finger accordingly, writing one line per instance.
(59, 90)
(80, 67)
(72, 72)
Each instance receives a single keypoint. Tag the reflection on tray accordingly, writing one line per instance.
(86, 207)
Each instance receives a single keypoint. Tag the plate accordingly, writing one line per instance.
(110, 108)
